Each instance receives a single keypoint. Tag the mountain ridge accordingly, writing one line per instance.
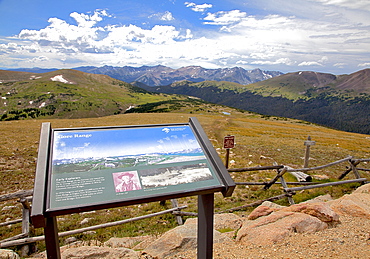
(162, 75)
(340, 102)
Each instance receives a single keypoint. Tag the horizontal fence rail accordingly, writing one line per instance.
(293, 189)
(81, 230)
(24, 196)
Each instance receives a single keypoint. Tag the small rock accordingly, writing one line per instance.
(85, 221)
(320, 177)
(9, 207)
(70, 240)
(8, 254)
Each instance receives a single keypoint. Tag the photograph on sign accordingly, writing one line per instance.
(99, 165)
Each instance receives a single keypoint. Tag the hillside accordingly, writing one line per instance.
(75, 94)
(341, 102)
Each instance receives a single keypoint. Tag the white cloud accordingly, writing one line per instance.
(84, 20)
(340, 65)
(225, 18)
(38, 59)
(358, 4)
(364, 64)
(166, 16)
(198, 8)
(309, 63)
(280, 61)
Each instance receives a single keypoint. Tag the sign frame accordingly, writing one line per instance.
(43, 214)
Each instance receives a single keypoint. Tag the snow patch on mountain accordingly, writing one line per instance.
(60, 78)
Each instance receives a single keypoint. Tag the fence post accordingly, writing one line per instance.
(354, 169)
(280, 174)
(175, 204)
(290, 198)
(353, 164)
(25, 249)
(308, 143)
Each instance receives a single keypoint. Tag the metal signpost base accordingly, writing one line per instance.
(205, 226)
(51, 238)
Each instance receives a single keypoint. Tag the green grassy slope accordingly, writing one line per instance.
(75, 95)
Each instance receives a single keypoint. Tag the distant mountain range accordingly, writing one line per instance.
(337, 101)
(162, 75)
(341, 102)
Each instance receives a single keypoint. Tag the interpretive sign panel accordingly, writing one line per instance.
(103, 167)
(100, 165)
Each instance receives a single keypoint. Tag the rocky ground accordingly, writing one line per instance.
(349, 239)
(316, 229)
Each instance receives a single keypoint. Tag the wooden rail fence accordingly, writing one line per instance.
(300, 175)
(25, 196)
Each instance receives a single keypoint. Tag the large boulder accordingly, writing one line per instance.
(86, 252)
(276, 226)
(136, 243)
(268, 224)
(180, 239)
(320, 210)
(221, 221)
(356, 204)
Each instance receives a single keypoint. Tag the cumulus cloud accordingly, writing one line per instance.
(85, 20)
(166, 16)
(198, 8)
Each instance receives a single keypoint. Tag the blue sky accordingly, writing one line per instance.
(120, 142)
(320, 35)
